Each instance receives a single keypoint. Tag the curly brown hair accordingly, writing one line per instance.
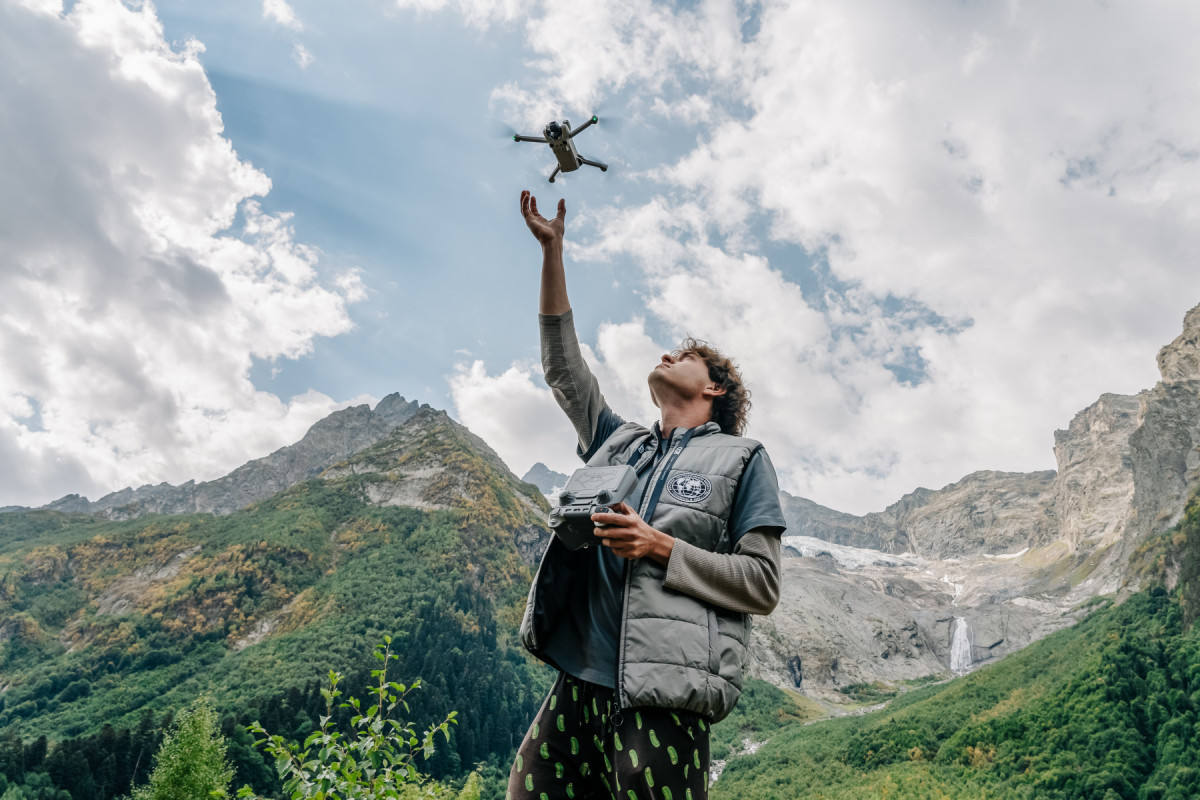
(732, 409)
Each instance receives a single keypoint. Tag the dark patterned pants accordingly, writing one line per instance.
(577, 747)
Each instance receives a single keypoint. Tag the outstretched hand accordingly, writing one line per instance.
(629, 536)
(547, 231)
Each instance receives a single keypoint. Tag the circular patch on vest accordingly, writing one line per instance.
(690, 487)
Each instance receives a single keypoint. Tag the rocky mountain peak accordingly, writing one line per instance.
(332, 439)
(546, 479)
(1180, 360)
(395, 410)
(432, 462)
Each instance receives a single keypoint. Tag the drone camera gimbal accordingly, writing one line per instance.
(561, 139)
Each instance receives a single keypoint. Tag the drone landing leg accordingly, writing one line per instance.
(556, 171)
(590, 163)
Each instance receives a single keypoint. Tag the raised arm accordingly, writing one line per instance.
(549, 233)
(574, 387)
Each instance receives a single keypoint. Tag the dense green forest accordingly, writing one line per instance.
(106, 627)
(1106, 709)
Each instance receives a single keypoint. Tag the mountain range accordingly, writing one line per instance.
(1002, 558)
(995, 559)
(397, 519)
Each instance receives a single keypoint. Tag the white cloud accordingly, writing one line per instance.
(479, 13)
(350, 285)
(515, 414)
(140, 277)
(280, 12)
(693, 109)
(1043, 191)
(1007, 191)
(591, 50)
(302, 56)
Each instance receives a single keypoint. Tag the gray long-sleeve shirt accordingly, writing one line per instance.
(746, 580)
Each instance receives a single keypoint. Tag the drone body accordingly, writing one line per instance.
(561, 139)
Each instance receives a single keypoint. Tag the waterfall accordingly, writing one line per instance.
(960, 647)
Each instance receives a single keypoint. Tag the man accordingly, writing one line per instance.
(649, 628)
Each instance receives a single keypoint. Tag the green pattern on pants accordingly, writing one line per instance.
(662, 755)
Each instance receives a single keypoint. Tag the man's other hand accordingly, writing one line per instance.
(548, 232)
(630, 536)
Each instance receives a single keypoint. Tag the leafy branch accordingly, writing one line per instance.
(374, 759)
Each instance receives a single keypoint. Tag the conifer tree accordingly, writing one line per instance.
(190, 764)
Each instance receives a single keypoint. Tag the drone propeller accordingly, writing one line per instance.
(499, 129)
(615, 123)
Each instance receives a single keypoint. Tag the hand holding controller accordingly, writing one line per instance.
(590, 490)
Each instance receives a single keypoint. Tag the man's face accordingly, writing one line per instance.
(681, 374)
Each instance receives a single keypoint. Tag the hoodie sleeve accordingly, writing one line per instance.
(746, 580)
(574, 386)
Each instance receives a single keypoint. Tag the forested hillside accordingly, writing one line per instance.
(1107, 709)
(108, 627)
(105, 627)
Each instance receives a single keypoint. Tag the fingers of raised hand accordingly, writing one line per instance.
(562, 209)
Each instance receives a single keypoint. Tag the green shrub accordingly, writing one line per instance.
(374, 760)
(191, 763)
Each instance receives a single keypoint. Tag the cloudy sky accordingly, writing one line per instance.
(930, 232)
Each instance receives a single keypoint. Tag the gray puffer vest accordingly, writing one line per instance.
(675, 650)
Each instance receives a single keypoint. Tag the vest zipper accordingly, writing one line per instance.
(622, 699)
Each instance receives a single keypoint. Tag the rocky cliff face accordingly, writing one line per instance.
(1165, 448)
(1179, 361)
(1013, 555)
(849, 615)
(429, 462)
(1095, 481)
(432, 462)
(985, 512)
(872, 531)
(333, 439)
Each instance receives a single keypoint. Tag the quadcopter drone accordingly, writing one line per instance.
(562, 141)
